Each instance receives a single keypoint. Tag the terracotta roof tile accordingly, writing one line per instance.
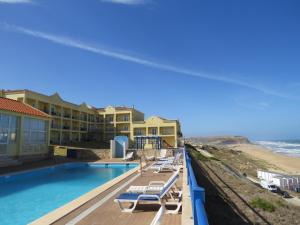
(20, 107)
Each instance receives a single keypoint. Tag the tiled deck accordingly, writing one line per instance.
(109, 212)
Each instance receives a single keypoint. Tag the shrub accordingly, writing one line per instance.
(262, 204)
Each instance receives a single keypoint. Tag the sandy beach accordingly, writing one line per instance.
(290, 165)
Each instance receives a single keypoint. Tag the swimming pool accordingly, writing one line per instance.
(26, 196)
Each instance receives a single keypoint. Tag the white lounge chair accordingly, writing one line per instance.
(139, 198)
(129, 156)
(165, 168)
(150, 158)
(167, 165)
(159, 215)
(153, 186)
(163, 154)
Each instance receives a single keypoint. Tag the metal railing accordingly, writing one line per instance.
(197, 194)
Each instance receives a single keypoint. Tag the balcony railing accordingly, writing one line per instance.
(66, 127)
(45, 110)
(197, 194)
(67, 115)
(55, 126)
(167, 132)
(84, 118)
(125, 119)
(122, 129)
(75, 117)
(53, 113)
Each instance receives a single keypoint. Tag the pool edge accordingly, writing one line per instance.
(62, 211)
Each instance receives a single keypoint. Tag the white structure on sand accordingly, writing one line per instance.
(283, 181)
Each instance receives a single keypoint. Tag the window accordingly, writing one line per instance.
(35, 131)
(153, 131)
(8, 129)
(3, 136)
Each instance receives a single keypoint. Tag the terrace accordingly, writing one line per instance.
(101, 209)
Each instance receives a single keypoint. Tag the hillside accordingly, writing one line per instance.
(218, 140)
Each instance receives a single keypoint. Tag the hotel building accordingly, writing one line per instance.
(77, 123)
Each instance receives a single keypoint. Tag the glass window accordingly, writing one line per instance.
(13, 136)
(35, 132)
(3, 135)
(3, 149)
(13, 122)
(4, 121)
(26, 124)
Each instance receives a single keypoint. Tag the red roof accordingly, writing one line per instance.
(20, 107)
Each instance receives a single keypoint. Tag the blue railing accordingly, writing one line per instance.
(197, 194)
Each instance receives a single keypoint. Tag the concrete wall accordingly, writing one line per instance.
(94, 154)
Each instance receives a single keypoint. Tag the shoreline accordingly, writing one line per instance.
(286, 164)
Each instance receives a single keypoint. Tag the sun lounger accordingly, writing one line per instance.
(139, 198)
(158, 217)
(150, 158)
(167, 165)
(129, 156)
(163, 154)
(153, 186)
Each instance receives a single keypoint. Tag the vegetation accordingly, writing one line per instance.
(280, 203)
(197, 155)
(262, 204)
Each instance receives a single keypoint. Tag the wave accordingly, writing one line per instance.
(291, 148)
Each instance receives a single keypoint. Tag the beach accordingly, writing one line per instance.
(284, 163)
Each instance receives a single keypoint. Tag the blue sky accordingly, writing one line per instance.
(221, 67)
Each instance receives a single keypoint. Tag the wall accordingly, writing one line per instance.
(94, 154)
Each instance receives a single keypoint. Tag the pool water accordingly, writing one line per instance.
(26, 196)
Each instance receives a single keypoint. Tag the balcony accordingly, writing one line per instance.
(83, 128)
(83, 118)
(66, 127)
(54, 113)
(55, 126)
(66, 115)
(123, 130)
(45, 110)
(123, 120)
(110, 130)
(167, 133)
(75, 117)
(99, 120)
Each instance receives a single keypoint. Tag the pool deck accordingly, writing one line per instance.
(110, 213)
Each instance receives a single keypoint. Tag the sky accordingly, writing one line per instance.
(220, 67)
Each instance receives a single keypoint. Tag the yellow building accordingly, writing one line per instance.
(130, 122)
(24, 131)
(168, 131)
(118, 121)
(72, 123)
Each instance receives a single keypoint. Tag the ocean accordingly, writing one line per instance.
(286, 147)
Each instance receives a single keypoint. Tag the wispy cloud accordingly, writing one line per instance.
(262, 106)
(128, 2)
(16, 1)
(70, 42)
